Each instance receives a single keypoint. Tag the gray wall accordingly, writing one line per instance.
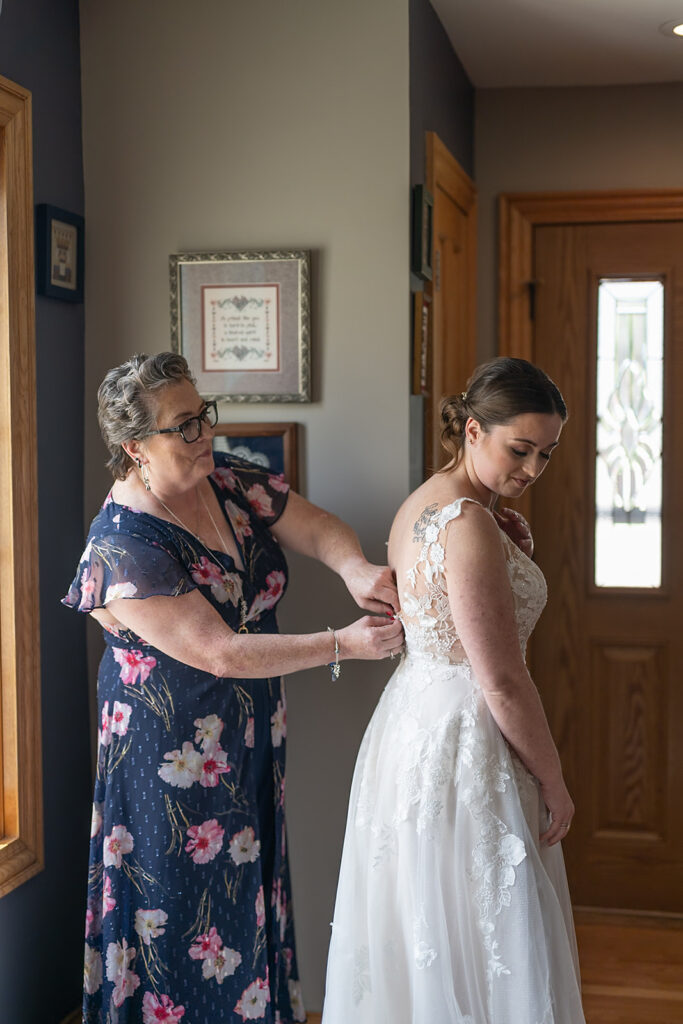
(42, 922)
(563, 139)
(269, 125)
(441, 94)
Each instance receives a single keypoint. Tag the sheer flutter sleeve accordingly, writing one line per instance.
(125, 565)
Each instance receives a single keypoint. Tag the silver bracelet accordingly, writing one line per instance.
(335, 667)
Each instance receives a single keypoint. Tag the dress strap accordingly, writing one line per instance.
(452, 511)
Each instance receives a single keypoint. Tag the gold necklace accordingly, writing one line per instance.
(243, 628)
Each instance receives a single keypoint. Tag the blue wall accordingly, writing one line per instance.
(441, 94)
(42, 922)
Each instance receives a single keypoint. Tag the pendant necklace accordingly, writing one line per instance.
(242, 603)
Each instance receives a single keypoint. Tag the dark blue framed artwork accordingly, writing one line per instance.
(59, 253)
(270, 445)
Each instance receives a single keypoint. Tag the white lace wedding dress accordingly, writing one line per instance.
(448, 911)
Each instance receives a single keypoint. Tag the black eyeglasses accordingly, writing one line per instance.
(190, 430)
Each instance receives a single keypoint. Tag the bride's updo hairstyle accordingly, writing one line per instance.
(496, 392)
(126, 409)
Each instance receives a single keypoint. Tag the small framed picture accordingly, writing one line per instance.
(59, 253)
(242, 321)
(270, 445)
(423, 206)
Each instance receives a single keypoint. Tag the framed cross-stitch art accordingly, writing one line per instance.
(242, 321)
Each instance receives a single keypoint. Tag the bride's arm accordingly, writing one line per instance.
(482, 607)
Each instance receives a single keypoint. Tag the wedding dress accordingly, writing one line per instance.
(448, 910)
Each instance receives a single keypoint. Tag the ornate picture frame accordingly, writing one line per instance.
(242, 321)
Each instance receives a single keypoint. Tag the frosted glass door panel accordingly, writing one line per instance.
(628, 470)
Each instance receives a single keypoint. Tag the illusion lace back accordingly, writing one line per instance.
(448, 909)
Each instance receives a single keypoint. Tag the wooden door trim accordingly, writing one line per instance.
(519, 213)
(21, 825)
(445, 173)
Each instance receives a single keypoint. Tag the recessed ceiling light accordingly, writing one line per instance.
(672, 27)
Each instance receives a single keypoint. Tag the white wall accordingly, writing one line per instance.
(533, 140)
(262, 124)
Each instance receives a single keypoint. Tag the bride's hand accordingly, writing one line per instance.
(372, 587)
(561, 807)
(518, 530)
(370, 638)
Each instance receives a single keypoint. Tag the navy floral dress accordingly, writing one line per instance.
(189, 901)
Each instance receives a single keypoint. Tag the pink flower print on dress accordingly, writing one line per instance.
(253, 1001)
(266, 599)
(296, 1000)
(239, 519)
(249, 733)
(225, 586)
(260, 906)
(225, 478)
(92, 970)
(278, 483)
(149, 924)
(244, 847)
(89, 918)
(205, 841)
(87, 590)
(104, 734)
(206, 945)
(96, 820)
(214, 764)
(260, 500)
(278, 724)
(135, 666)
(160, 1009)
(221, 965)
(118, 843)
(209, 731)
(108, 902)
(279, 901)
(120, 718)
(119, 958)
(185, 767)
(119, 590)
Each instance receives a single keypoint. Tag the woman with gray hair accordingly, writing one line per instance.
(189, 898)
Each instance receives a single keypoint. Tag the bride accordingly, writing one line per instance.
(452, 906)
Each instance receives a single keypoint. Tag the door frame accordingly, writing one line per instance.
(449, 365)
(519, 213)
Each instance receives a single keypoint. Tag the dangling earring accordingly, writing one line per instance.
(144, 474)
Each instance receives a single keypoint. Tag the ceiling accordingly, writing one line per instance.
(512, 43)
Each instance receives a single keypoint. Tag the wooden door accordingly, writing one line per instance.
(452, 289)
(607, 659)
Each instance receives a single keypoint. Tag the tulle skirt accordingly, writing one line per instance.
(448, 910)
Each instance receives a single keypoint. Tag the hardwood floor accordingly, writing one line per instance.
(632, 968)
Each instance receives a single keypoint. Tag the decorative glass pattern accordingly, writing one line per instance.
(628, 470)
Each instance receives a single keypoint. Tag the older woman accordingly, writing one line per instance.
(189, 909)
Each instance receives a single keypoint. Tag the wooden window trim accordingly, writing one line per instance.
(21, 799)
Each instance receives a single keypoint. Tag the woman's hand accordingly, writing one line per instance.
(371, 638)
(561, 807)
(518, 530)
(372, 587)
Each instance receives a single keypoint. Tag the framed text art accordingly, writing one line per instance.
(59, 253)
(242, 321)
(270, 445)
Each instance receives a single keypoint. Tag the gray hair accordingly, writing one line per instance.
(125, 409)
